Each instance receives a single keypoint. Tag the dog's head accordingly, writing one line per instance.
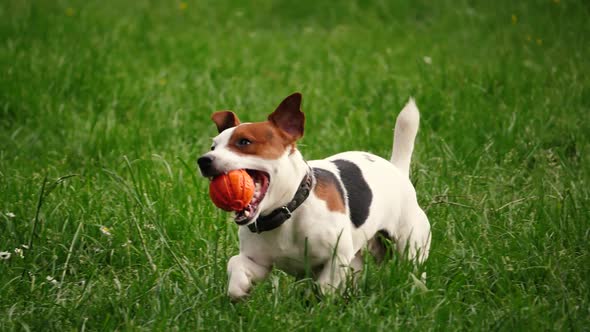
(267, 150)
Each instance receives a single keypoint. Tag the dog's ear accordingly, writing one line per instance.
(288, 116)
(224, 120)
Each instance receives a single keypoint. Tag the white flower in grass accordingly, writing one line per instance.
(105, 230)
(5, 255)
(19, 252)
(24, 246)
(427, 60)
(10, 215)
(52, 281)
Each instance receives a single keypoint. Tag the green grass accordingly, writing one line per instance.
(104, 107)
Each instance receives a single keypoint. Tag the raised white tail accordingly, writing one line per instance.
(406, 128)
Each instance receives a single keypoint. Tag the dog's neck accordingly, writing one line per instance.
(285, 181)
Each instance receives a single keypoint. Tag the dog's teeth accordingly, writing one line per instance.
(247, 213)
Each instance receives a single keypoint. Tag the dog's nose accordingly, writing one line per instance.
(205, 164)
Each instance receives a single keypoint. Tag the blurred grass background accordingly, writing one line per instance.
(104, 107)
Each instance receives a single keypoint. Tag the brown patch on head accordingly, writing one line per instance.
(328, 189)
(260, 139)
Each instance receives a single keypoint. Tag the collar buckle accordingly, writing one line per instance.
(285, 211)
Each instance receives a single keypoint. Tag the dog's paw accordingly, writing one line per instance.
(237, 294)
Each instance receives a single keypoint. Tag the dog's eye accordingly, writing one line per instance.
(244, 142)
(212, 147)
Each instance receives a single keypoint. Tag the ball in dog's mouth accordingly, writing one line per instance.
(261, 182)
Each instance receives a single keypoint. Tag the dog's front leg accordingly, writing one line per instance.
(334, 274)
(338, 267)
(242, 272)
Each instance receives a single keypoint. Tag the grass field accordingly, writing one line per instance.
(104, 108)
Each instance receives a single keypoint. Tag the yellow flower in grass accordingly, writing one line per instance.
(514, 19)
(182, 5)
(539, 41)
(70, 11)
(105, 230)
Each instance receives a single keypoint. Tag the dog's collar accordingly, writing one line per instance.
(278, 216)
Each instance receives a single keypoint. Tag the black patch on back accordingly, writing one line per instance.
(359, 193)
(329, 177)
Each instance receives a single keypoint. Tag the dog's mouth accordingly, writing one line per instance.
(261, 182)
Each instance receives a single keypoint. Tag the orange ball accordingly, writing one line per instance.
(232, 191)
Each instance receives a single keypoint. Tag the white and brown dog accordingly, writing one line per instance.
(316, 216)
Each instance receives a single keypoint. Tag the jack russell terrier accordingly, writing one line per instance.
(316, 216)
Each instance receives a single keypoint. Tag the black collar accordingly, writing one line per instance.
(278, 216)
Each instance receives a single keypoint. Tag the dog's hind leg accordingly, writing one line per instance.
(379, 248)
(414, 236)
(242, 272)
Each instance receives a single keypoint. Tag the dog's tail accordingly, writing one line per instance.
(406, 128)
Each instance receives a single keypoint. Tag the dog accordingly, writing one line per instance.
(316, 217)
